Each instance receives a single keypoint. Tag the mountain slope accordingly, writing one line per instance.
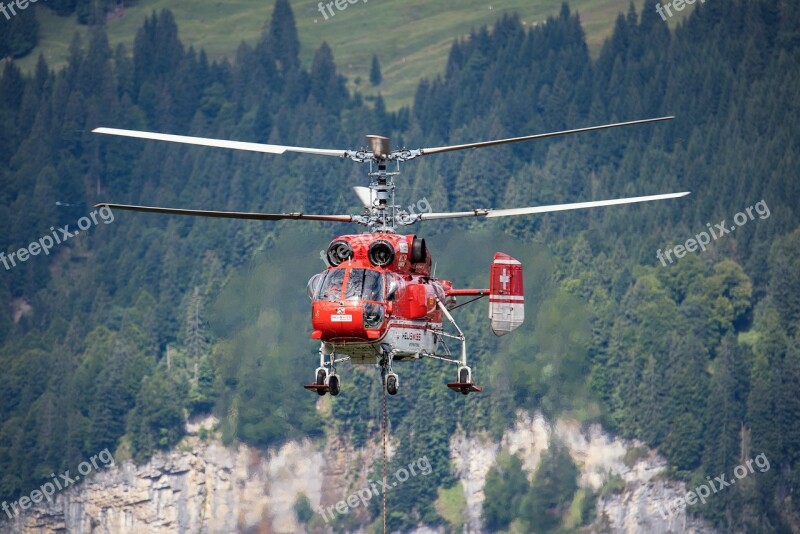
(411, 39)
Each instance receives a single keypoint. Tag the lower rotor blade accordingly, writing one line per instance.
(228, 214)
(489, 213)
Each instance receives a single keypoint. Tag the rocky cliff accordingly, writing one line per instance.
(203, 486)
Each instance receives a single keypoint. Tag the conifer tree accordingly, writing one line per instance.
(375, 76)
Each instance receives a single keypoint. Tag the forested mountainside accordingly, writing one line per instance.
(118, 334)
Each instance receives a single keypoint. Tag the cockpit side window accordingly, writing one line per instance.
(393, 283)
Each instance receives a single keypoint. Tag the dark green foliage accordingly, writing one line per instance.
(551, 491)
(157, 420)
(505, 488)
(784, 268)
(302, 508)
(19, 34)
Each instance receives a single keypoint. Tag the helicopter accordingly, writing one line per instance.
(378, 300)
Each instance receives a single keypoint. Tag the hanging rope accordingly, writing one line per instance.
(384, 459)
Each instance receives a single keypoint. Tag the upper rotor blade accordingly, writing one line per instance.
(220, 143)
(229, 214)
(489, 213)
(481, 144)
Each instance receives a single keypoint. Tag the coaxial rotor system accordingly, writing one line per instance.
(381, 212)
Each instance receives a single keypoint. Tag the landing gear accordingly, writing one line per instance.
(325, 379)
(388, 377)
(463, 374)
(326, 382)
(391, 384)
(320, 382)
(333, 385)
(464, 384)
(464, 378)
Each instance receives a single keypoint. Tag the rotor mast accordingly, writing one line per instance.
(384, 213)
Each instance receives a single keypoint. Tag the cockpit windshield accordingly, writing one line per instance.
(331, 286)
(365, 284)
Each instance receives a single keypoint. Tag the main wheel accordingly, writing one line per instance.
(321, 382)
(463, 377)
(391, 384)
(333, 385)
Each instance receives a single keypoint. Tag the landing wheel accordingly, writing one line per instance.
(333, 385)
(391, 384)
(321, 382)
(463, 375)
(464, 378)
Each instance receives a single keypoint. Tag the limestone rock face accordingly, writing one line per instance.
(640, 505)
(209, 488)
(205, 487)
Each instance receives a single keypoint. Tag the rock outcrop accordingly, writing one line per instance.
(203, 486)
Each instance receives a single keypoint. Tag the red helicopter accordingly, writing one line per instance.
(378, 300)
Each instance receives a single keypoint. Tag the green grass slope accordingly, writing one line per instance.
(411, 37)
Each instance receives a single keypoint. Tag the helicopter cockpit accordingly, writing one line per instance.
(347, 284)
(352, 288)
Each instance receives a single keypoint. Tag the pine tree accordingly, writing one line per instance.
(327, 86)
(194, 337)
(281, 38)
(375, 76)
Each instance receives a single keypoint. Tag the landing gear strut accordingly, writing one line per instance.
(464, 384)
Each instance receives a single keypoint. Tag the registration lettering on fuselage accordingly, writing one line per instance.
(341, 318)
(411, 335)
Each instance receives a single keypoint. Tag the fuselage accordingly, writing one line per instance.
(378, 290)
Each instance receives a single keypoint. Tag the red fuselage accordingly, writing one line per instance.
(375, 280)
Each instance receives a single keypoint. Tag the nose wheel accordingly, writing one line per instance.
(333, 384)
(325, 379)
(321, 375)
